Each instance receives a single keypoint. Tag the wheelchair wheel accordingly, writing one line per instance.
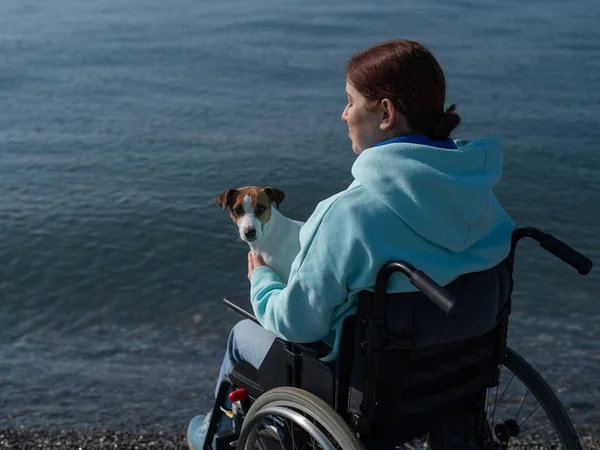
(290, 417)
(524, 412)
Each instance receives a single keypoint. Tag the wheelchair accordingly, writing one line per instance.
(389, 389)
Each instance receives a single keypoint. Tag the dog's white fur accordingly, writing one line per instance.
(278, 242)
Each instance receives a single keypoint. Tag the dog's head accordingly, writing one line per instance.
(250, 208)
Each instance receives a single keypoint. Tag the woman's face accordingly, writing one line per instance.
(365, 126)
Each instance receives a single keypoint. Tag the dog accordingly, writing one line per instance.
(255, 210)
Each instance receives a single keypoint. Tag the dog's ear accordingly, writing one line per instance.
(226, 199)
(275, 195)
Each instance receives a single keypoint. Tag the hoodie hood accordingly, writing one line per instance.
(443, 194)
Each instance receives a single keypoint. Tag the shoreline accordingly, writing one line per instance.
(92, 439)
(132, 439)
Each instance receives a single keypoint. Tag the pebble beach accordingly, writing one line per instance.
(173, 439)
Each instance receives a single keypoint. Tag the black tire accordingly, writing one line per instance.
(309, 405)
(546, 397)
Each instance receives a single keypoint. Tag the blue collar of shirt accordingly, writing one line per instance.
(420, 139)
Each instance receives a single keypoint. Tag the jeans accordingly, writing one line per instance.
(247, 342)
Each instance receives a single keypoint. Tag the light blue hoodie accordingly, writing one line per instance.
(413, 200)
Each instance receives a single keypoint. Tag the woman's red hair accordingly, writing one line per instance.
(409, 76)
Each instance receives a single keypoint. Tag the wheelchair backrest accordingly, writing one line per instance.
(432, 366)
(413, 317)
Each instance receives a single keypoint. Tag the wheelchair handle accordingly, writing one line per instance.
(437, 294)
(555, 246)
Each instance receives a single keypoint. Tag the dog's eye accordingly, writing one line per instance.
(260, 209)
(239, 210)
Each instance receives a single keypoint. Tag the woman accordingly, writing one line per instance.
(417, 196)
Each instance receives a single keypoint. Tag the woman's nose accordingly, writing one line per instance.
(344, 115)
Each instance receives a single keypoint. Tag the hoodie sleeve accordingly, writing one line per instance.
(302, 311)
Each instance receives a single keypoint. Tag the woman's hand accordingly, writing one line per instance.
(254, 261)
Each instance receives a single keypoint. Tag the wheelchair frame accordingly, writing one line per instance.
(430, 386)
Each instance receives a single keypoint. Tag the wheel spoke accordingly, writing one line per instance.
(495, 398)
(521, 407)
(502, 396)
(530, 414)
(291, 432)
(262, 442)
(536, 427)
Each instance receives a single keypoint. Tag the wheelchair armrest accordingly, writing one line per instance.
(242, 305)
(315, 349)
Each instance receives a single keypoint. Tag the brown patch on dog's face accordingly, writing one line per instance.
(253, 197)
(262, 207)
(259, 199)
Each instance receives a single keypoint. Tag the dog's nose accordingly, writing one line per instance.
(250, 234)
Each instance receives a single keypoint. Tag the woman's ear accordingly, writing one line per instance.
(392, 119)
(389, 114)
